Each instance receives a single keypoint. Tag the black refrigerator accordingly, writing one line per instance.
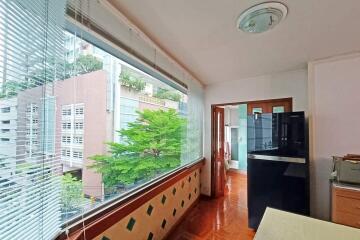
(277, 164)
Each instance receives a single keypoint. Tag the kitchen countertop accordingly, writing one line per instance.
(281, 225)
(346, 186)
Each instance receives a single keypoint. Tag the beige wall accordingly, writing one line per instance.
(334, 119)
(187, 190)
(280, 85)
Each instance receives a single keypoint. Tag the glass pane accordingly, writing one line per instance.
(79, 126)
(234, 144)
(118, 146)
(278, 109)
(257, 110)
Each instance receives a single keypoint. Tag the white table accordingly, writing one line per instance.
(280, 225)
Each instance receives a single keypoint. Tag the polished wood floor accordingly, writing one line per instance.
(223, 218)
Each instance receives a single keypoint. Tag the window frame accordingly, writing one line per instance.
(114, 47)
(76, 22)
(75, 225)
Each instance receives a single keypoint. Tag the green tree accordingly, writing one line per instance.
(86, 63)
(167, 94)
(131, 81)
(72, 197)
(151, 145)
(11, 88)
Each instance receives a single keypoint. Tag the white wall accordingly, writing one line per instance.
(334, 99)
(280, 85)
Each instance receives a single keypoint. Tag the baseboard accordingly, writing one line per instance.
(186, 213)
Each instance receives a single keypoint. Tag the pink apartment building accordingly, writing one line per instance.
(84, 125)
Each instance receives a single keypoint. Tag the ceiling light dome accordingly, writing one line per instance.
(262, 17)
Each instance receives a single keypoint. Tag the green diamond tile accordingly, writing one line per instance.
(105, 238)
(174, 191)
(150, 236)
(174, 212)
(163, 224)
(131, 224)
(182, 203)
(149, 210)
(163, 199)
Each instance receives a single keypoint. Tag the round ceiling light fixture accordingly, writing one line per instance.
(262, 17)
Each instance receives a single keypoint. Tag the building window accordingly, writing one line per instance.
(32, 108)
(33, 132)
(66, 111)
(66, 125)
(66, 139)
(5, 122)
(78, 140)
(5, 130)
(79, 111)
(5, 110)
(79, 125)
(77, 154)
(65, 153)
(5, 139)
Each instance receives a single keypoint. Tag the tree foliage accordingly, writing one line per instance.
(151, 145)
(86, 63)
(53, 70)
(131, 81)
(167, 94)
(11, 88)
(72, 196)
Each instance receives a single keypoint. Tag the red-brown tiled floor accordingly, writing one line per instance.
(223, 218)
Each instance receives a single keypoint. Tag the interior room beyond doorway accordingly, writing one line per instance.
(231, 137)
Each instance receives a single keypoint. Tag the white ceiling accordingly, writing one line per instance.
(202, 34)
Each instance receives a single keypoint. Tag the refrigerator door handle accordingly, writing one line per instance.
(277, 158)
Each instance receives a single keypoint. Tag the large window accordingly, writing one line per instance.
(79, 125)
(141, 137)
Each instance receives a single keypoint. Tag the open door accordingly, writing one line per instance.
(218, 181)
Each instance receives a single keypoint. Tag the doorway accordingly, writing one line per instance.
(229, 137)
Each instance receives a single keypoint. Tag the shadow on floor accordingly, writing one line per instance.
(224, 218)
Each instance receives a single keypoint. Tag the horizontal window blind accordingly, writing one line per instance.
(31, 60)
(80, 125)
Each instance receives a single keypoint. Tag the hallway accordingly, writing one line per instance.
(224, 218)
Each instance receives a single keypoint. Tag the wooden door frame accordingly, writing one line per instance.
(213, 162)
(221, 175)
